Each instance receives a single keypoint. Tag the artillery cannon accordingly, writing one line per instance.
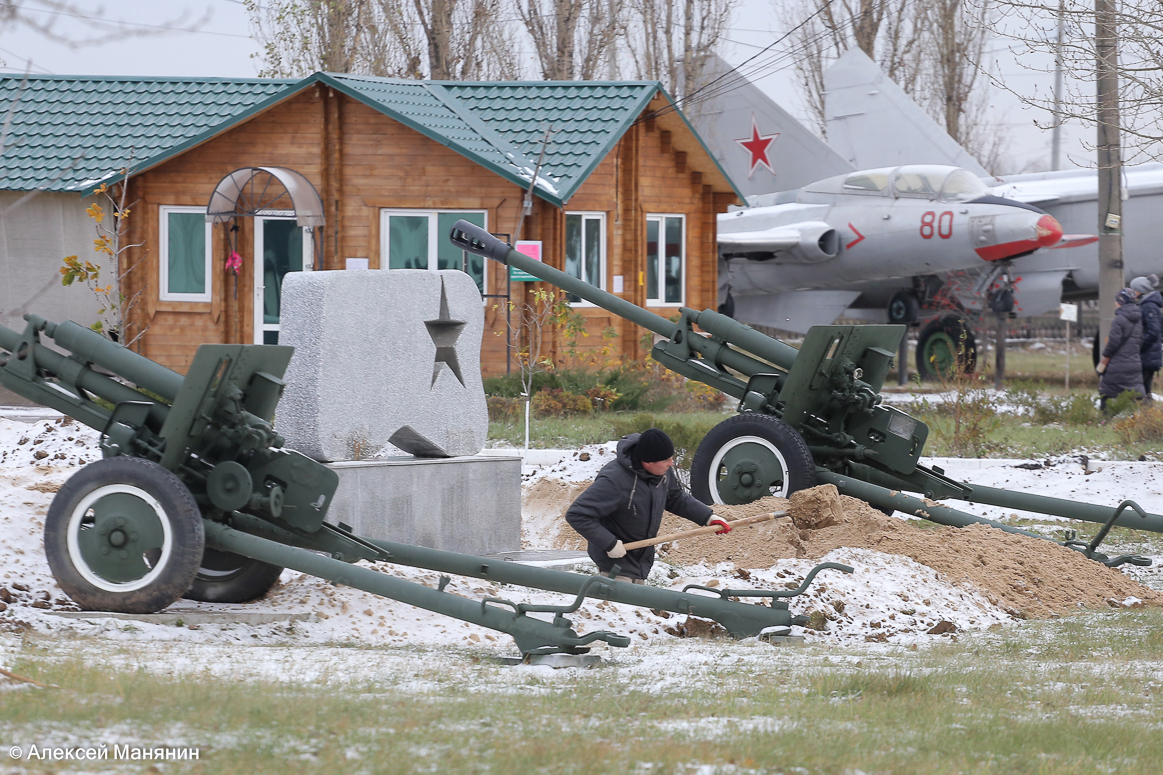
(810, 416)
(195, 496)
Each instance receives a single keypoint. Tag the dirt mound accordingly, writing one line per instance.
(1027, 577)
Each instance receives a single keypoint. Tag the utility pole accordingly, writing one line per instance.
(1056, 133)
(1111, 276)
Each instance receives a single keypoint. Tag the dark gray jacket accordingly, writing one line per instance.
(1151, 349)
(1125, 370)
(625, 504)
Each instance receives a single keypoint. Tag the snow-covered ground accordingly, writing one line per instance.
(888, 602)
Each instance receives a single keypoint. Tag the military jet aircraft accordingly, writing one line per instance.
(862, 106)
(800, 258)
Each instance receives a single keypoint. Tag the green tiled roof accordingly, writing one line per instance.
(73, 133)
(68, 133)
(501, 124)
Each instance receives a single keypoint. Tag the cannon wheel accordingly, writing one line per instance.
(748, 457)
(943, 345)
(124, 535)
(225, 577)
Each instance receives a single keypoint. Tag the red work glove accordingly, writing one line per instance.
(716, 520)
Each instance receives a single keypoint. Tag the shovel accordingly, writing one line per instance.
(698, 531)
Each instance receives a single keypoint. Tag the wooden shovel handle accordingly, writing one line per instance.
(698, 531)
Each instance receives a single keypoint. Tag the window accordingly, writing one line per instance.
(185, 270)
(585, 248)
(665, 258)
(418, 239)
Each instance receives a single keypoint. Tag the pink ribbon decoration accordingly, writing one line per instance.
(234, 262)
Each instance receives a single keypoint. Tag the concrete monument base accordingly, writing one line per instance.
(470, 505)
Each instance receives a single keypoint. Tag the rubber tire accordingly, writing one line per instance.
(951, 327)
(904, 308)
(799, 466)
(1001, 302)
(179, 511)
(250, 579)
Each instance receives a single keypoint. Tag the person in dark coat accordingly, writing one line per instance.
(1121, 367)
(625, 504)
(1151, 348)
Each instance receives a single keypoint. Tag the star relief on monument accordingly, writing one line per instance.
(444, 331)
(758, 145)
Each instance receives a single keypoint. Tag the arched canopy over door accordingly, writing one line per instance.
(288, 216)
(252, 191)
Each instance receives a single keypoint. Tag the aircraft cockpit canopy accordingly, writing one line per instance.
(910, 181)
(937, 182)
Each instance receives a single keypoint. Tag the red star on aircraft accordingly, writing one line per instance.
(757, 146)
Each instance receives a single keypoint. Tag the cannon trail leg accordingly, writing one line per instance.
(532, 635)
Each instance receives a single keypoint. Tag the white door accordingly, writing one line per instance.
(280, 246)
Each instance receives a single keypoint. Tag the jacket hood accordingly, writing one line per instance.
(1153, 297)
(625, 456)
(1131, 312)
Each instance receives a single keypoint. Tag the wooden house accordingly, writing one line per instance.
(235, 182)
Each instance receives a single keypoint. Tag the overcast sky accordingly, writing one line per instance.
(212, 38)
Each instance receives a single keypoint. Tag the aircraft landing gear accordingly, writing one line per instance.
(904, 307)
(945, 347)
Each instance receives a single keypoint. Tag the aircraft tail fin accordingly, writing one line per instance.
(873, 123)
(760, 145)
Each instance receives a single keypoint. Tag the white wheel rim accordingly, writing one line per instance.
(73, 529)
(716, 461)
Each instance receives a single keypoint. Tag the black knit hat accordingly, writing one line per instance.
(653, 446)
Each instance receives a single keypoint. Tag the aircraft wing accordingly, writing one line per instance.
(795, 311)
(873, 123)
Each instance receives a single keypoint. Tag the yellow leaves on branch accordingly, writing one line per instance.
(96, 212)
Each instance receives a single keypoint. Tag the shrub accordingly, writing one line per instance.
(555, 402)
(503, 409)
(1143, 426)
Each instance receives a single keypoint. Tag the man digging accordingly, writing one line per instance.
(626, 501)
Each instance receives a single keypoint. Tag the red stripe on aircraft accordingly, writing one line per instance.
(859, 237)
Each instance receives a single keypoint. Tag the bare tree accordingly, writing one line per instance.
(670, 40)
(888, 31)
(460, 39)
(1030, 26)
(571, 38)
(45, 17)
(439, 39)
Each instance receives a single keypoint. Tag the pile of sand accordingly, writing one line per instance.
(1025, 576)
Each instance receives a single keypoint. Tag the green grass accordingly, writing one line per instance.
(1077, 695)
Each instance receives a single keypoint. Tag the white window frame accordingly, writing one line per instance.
(164, 257)
(661, 218)
(601, 283)
(433, 236)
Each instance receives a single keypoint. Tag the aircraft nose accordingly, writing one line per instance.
(1048, 231)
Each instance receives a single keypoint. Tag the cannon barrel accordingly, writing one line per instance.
(74, 370)
(125, 363)
(472, 238)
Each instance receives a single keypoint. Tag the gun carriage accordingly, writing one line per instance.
(195, 496)
(811, 415)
